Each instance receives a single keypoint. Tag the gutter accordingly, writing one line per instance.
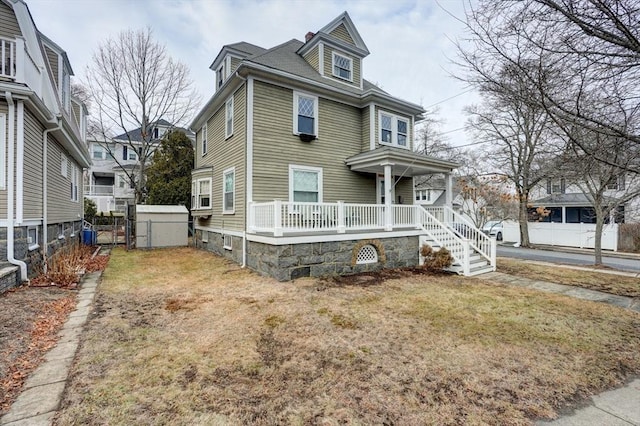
(45, 193)
(10, 190)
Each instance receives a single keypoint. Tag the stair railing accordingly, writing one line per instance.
(484, 245)
(445, 237)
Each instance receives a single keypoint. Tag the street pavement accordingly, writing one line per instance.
(629, 262)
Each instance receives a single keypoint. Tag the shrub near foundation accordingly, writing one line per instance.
(435, 260)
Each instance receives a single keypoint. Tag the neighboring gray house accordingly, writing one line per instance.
(42, 146)
(107, 181)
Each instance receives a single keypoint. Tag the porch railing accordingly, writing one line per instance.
(462, 227)
(280, 217)
(98, 190)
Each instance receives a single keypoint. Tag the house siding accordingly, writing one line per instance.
(59, 204)
(223, 154)
(341, 33)
(404, 191)
(9, 26)
(328, 66)
(313, 58)
(3, 192)
(33, 131)
(235, 63)
(276, 147)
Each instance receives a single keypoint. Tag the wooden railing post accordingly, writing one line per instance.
(494, 250)
(20, 59)
(341, 218)
(466, 258)
(251, 217)
(277, 218)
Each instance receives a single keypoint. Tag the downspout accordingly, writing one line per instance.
(246, 210)
(10, 188)
(45, 193)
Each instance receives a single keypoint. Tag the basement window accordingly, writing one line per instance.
(227, 242)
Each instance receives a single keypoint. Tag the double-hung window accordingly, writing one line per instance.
(74, 183)
(204, 138)
(228, 190)
(342, 66)
(220, 76)
(98, 152)
(305, 114)
(229, 118)
(129, 153)
(394, 130)
(204, 193)
(305, 184)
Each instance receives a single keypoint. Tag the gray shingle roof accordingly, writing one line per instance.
(574, 199)
(136, 134)
(284, 57)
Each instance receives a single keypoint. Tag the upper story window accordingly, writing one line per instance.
(394, 130)
(203, 136)
(74, 183)
(342, 66)
(616, 183)
(129, 153)
(156, 133)
(556, 186)
(228, 132)
(98, 152)
(220, 75)
(305, 114)
(228, 190)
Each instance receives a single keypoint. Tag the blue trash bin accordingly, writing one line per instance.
(89, 237)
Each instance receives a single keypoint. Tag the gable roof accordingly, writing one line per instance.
(359, 48)
(135, 135)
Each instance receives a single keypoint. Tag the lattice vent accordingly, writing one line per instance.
(367, 254)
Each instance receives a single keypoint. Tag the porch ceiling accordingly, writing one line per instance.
(404, 162)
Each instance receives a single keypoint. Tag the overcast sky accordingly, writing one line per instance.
(411, 42)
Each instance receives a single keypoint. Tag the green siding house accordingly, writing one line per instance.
(42, 147)
(304, 168)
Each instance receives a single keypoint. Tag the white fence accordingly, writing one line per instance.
(581, 235)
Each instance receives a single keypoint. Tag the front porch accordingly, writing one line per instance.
(441, 227)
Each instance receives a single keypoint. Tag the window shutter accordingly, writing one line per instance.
(562, 186)
(124, 152)
(548, 186)
(621, 182)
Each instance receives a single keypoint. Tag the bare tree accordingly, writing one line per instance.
(591, 48)
(485, 198)
(134, 83)
(608, 185)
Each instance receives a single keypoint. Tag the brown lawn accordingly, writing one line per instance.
(593, 280)
(182, 337)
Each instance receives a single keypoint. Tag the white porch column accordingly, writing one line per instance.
(448, 195)
(388, 187)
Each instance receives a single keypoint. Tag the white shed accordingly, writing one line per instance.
(161, 226)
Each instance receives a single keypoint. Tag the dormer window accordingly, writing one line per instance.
(342, 66)
(155, 133)
(220, 76)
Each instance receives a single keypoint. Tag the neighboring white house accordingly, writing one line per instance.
(107, 181)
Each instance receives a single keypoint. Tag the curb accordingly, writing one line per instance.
(42, 392)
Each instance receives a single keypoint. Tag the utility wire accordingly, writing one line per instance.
(449, 98)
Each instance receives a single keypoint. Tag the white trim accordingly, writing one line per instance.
(295, 88)
(227, 133)
(249, 148)
(197, 206)
(380, 179)
(20, 162)
(372, 126)
(296, 96)
(219, 231)
(318, 170)
(321, 58)
(224, 206)
(227, 66)
(204, 140)
(278, 241)
(3, 150)
(33, 245)
(224, 242)
(335, 53)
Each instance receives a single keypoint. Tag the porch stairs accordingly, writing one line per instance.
(474, 253)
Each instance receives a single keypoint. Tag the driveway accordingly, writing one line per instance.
(570, 258)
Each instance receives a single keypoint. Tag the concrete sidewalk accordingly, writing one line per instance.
(42, 392)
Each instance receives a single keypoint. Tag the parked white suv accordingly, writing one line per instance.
(493, 228)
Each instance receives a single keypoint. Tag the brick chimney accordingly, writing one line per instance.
(308, 36)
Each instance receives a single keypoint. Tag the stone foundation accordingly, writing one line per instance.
(33, 258)
(215, 245)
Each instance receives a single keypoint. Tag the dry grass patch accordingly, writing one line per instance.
(608, 283)
(215, 344)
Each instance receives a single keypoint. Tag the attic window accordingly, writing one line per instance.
(342, 66)
(220, 75)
